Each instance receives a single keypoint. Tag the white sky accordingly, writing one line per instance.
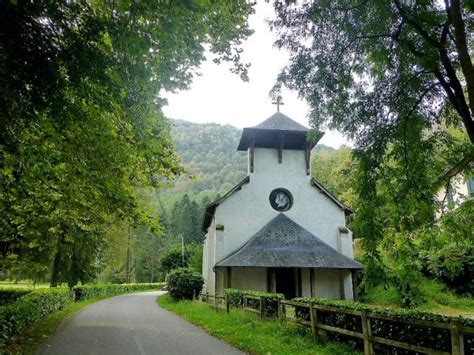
(222, 97)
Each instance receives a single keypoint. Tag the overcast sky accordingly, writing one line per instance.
(222, 97)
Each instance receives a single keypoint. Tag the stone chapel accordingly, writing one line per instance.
(279, 230)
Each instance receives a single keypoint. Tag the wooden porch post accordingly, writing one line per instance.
(228, 278)
(354, 285)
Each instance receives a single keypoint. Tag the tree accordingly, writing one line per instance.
(82, 129)
(368, 67)
(187, 220)
(383, 73)
(336, 171)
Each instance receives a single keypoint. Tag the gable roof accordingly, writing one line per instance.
(284, 243)
(211, 208)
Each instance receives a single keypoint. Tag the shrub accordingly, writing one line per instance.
(10, 295)
(395, 329)
(270, 300)
(183, 283)
(85, 292)
(29, 309)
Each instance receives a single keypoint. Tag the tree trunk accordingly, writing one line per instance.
(465, 60)
(57, 261)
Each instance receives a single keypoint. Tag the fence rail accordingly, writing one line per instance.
(287, 312)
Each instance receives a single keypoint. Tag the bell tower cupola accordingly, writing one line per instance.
(278, 132)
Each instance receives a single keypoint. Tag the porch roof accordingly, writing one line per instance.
(284, 243)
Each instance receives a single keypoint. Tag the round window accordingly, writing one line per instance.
(281, 200)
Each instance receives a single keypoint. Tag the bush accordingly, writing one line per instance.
(270, 300)
(183, 283)
(29, 309)
(10, 295)
(395, 329)
(85, 292)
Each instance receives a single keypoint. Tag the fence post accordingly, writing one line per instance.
(261, 307)
(207, 297)
(368, 347)
(227, 305)
(311, 318)
(457, 341)
(280, 311)
(194, 295)
(215, 301)
(244, 302)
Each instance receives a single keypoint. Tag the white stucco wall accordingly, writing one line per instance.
(249, 278)
(327, 283)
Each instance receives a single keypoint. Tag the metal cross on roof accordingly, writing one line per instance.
(278, 102)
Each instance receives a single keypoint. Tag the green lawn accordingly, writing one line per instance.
(249, 333)
(438, 299)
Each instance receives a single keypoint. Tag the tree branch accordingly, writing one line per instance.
(463, 51)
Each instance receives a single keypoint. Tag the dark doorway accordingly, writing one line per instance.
(286, 282)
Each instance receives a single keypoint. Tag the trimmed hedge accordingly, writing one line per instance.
(183, 283)
(85, 292)
(270, 300)
(29, 309)
(397, 329)
(10, 295)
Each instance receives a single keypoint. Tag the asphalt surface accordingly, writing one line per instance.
(131, 324)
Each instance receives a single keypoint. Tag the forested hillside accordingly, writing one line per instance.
(209, 153)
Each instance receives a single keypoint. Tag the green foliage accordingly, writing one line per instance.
(438, 297)
(173, 258)
(183, 283)
(209, 154)
(82, 129)
(446, 250)
(10, 295)
(187, 220)
(29, 309)
(195, 259)
(336, 170)
(270, 300)
(86, 292)
(367, 69)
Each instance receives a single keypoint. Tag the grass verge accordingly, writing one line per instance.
(251, 334)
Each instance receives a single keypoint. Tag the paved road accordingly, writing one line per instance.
(131, 324)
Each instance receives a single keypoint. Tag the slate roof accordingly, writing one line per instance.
(275, 131)
(284, 243)
(280, 121)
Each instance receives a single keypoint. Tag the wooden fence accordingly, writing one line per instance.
(287, 312)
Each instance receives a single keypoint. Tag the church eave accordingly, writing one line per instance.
(271, 138)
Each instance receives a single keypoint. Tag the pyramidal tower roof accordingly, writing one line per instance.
(277, 131)
(279, 121)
